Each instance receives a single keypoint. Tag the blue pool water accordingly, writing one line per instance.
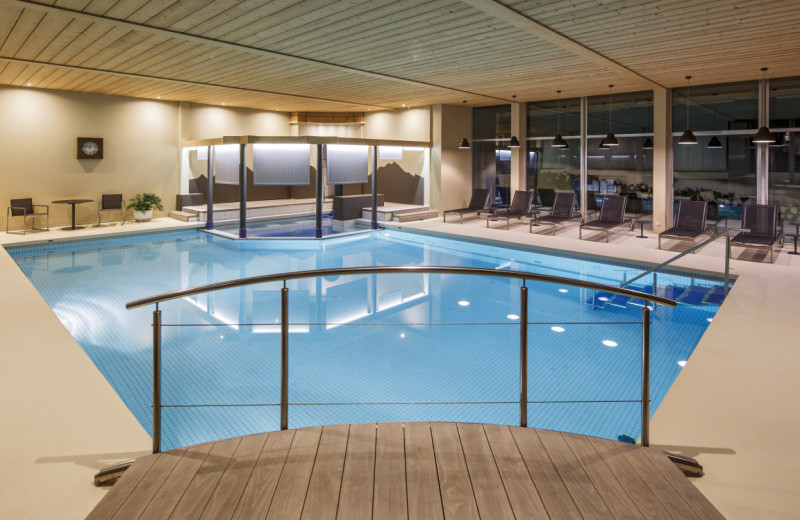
(295, 227)
(359, 342)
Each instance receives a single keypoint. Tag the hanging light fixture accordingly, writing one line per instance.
(687, 137)
(513, 142)
(647, 144)
(610, 139)
(559, 141)
(464, 143)
(714, 142)
(764, 135)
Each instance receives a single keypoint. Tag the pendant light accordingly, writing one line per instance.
(559, 141)
(610, 139)
(647, 144)
(764, 135)
(714, 142)
(464, 143)
(687, 137)
(513, 142)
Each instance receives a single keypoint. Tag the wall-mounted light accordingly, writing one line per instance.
(687, 137)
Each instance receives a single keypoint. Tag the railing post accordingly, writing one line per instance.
(284, 358)
(646, 374)
(523, 355)
(156, 380)
(727, 260)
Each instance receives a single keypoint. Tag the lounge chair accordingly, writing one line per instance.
(563, 210)
(612, 214)
(520, 207)
(113, 202)
(762, 222)
(26, 209)
(689, 223)
(477, 204)
(547, 197)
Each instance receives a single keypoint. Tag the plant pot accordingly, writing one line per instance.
(143, 216)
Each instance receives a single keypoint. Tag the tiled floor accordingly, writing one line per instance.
(733, 407)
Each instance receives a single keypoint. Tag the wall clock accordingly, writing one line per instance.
(90, 148)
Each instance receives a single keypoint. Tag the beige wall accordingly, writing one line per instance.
(408, 125)
(38, 145)
(451, 168)
(209, 122)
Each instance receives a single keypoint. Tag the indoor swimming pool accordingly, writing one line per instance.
(387, 347)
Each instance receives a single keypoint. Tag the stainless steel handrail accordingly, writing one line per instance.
(726, 233)
(283, 277)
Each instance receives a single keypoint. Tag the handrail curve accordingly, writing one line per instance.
(283, 277)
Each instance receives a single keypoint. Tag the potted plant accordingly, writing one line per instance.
(143, 204)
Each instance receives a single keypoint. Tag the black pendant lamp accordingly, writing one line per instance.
(714, 142)
(464, 143)
(559, 141)
(513, 142)
(647, 144)
(764, 135)
(611, 139)
(687, 137)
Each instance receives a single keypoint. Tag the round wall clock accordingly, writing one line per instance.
(90, 148)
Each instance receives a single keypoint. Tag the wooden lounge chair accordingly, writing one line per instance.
(563, 210)
(477, 204)
(26, 209)
(113, 202)
(762, 222)
(612, 214)
(689, 223)
(520, 207)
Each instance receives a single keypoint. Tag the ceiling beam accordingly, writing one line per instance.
(530, 26)
(142, 28)
(183, 82)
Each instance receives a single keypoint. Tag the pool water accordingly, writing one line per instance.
(294, 227)
(368, 347)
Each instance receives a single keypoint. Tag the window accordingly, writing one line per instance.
(491, 156)
(784, 154)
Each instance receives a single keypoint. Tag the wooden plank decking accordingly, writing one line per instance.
(406, 470)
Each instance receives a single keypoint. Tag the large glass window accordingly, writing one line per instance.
(784, 154)
(548, 169)
(491, 156)
(725, 175)
(626, 169)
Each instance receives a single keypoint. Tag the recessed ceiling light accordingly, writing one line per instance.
(563, 290)
(158, 97)
(682, 363)
(557, 329)
(30, 84)
(463, 303)
(404, 104)
(223, 103)
(512, 316)
(609, 343)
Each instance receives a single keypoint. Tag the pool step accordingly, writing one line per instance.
(183, 216)
(400, 213)
(695, 295)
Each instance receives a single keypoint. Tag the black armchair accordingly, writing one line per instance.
(26, 209)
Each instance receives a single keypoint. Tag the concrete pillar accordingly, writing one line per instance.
(451, 167)
(662, 160)
(519, 122)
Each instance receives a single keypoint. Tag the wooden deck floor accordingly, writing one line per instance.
(410, 470)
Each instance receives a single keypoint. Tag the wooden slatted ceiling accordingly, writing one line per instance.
(349, 55)
(408, 470)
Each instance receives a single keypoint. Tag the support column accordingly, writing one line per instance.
(210, 202)
(318, 231)
(242, 190)
(762, 149)
(519, 121)
(662, 160)
(451, 167)
(584, 158)
(374, 223)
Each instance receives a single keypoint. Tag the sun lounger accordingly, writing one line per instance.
(761, 221)
(520, 207)
(563, 210)
(477, 205)
(612, 214)
(689, 223)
